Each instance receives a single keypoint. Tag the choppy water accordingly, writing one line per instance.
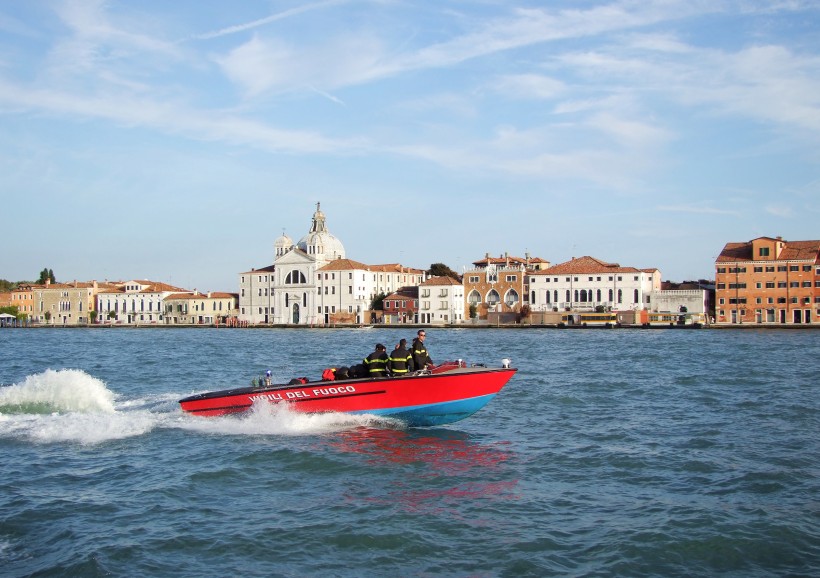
(610, 453)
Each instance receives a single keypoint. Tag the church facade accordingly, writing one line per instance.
(286, 292)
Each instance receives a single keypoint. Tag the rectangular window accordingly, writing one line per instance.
(758, 269)
(807, 268)
(770, 269)
(721, 285)
(719, 270)
(794, 267)
(512, 278)
(769, 284)
(764, 252)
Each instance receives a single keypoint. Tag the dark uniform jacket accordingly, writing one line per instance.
(376, 363)
(400, 361)
(421, 358)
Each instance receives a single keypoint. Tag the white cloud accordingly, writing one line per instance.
(526, 86)
(264, 65)
(782, 211)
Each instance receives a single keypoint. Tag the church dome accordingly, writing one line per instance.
(319, 243)
(282, 245)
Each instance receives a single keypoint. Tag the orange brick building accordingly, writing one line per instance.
(499, 285)
(768, 281)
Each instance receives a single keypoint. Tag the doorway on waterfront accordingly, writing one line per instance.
(296, 314)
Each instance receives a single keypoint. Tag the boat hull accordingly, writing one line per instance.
(427, 399)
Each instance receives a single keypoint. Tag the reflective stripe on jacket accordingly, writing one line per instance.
(401, 361)
(376, 363)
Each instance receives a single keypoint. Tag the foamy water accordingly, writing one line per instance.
(69, 405)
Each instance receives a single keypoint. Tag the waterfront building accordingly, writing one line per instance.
(134, 302)
(313, 283)
(286, 292)
(441, 301)
(498, 286)
(402, 305)
(587, 284)
(768, 281)
(694, 298)
(64, 303)
(347, 288)
(21, 297)
(345, 291)
(200, 308)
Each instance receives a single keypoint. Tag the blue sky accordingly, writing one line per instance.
(175, 141)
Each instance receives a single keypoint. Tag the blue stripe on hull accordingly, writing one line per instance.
(436, 413)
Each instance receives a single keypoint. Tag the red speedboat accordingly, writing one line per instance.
(448, 393)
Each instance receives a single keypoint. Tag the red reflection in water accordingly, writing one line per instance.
(448, 453)
(440, 455)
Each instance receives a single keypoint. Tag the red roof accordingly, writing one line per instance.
(792, 251)
(587, 265)
(441, 281)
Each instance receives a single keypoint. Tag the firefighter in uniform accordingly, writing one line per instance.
(401, 361)
(376, 362)
(421, 358)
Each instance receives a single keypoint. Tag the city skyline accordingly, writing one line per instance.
(177, 142)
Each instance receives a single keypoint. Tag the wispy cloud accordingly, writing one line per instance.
(698, 209)
(244, 27)
(175, 118)
(782, 211)
(528, 86)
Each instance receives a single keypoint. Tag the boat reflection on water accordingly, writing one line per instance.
(479, 470)
(447, 452)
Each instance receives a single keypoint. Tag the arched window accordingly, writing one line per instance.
(636, 296)
(610, 295)
(548, 296)
(583, 295)
(569, 297)
(295, 277)
(511, 298)
(620, 296)
(555, 296)
(576, 295)
(474, 298)
(493, 297)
